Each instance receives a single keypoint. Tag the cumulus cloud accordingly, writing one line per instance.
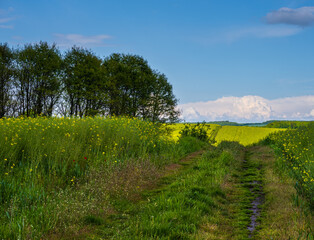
(66, 40)
(250, 109)
(303, 16)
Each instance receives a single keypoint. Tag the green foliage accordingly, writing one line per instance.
(6, 75)
(43, 161)
(162, 102)
(38, 79)
(295, 152)
(134, 89)
(288, 124)
(84, 88)
(130, 82)
(199, 131)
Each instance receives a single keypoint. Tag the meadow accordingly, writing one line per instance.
(63, 178)
(48, 163)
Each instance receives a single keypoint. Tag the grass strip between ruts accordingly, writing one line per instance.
(179, 208)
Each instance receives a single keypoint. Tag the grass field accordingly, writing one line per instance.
(124, 178)
(49, 163)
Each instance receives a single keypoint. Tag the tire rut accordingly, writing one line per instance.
(251, 180)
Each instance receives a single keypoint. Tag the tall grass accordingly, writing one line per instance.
(178, 211)
(295, 152)
(41, 157)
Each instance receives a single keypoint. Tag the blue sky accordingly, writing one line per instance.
(208, 49)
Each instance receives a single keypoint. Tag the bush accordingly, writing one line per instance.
(198, 131)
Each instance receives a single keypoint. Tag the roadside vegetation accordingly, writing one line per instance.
(295, 152)
(48, 165)
(126, 178)
(178, 209)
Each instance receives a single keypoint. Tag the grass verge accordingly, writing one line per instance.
(177, 208)
(55, 172)
(282, 218)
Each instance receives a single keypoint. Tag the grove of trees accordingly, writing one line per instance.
(37, 80)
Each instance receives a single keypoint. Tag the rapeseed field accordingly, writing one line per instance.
(244, 135)
(295, 151)
(241, 134)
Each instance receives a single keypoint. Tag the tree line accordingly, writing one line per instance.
(37, 79)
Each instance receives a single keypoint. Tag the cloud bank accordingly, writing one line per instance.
(249, 109)
(303, 16)
(68, 40)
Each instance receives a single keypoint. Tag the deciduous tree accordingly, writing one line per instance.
(6, 77)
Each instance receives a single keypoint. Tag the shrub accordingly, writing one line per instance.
(199, 131)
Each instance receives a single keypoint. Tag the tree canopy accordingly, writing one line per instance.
(37, 79)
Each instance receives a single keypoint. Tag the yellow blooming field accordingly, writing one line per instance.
(296, 153)
(243, 135)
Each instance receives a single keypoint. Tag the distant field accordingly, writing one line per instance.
(242, 134)
(288, 124)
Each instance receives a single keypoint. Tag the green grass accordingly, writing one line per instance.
(295, 153)
(281, 218)
(104, 178)
(52, 169)
(177, 210)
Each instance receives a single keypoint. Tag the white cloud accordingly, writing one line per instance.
(6, 26)
(303, 16)
(250, 109)
(261, 32)
(4, 19)
(66, 40)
